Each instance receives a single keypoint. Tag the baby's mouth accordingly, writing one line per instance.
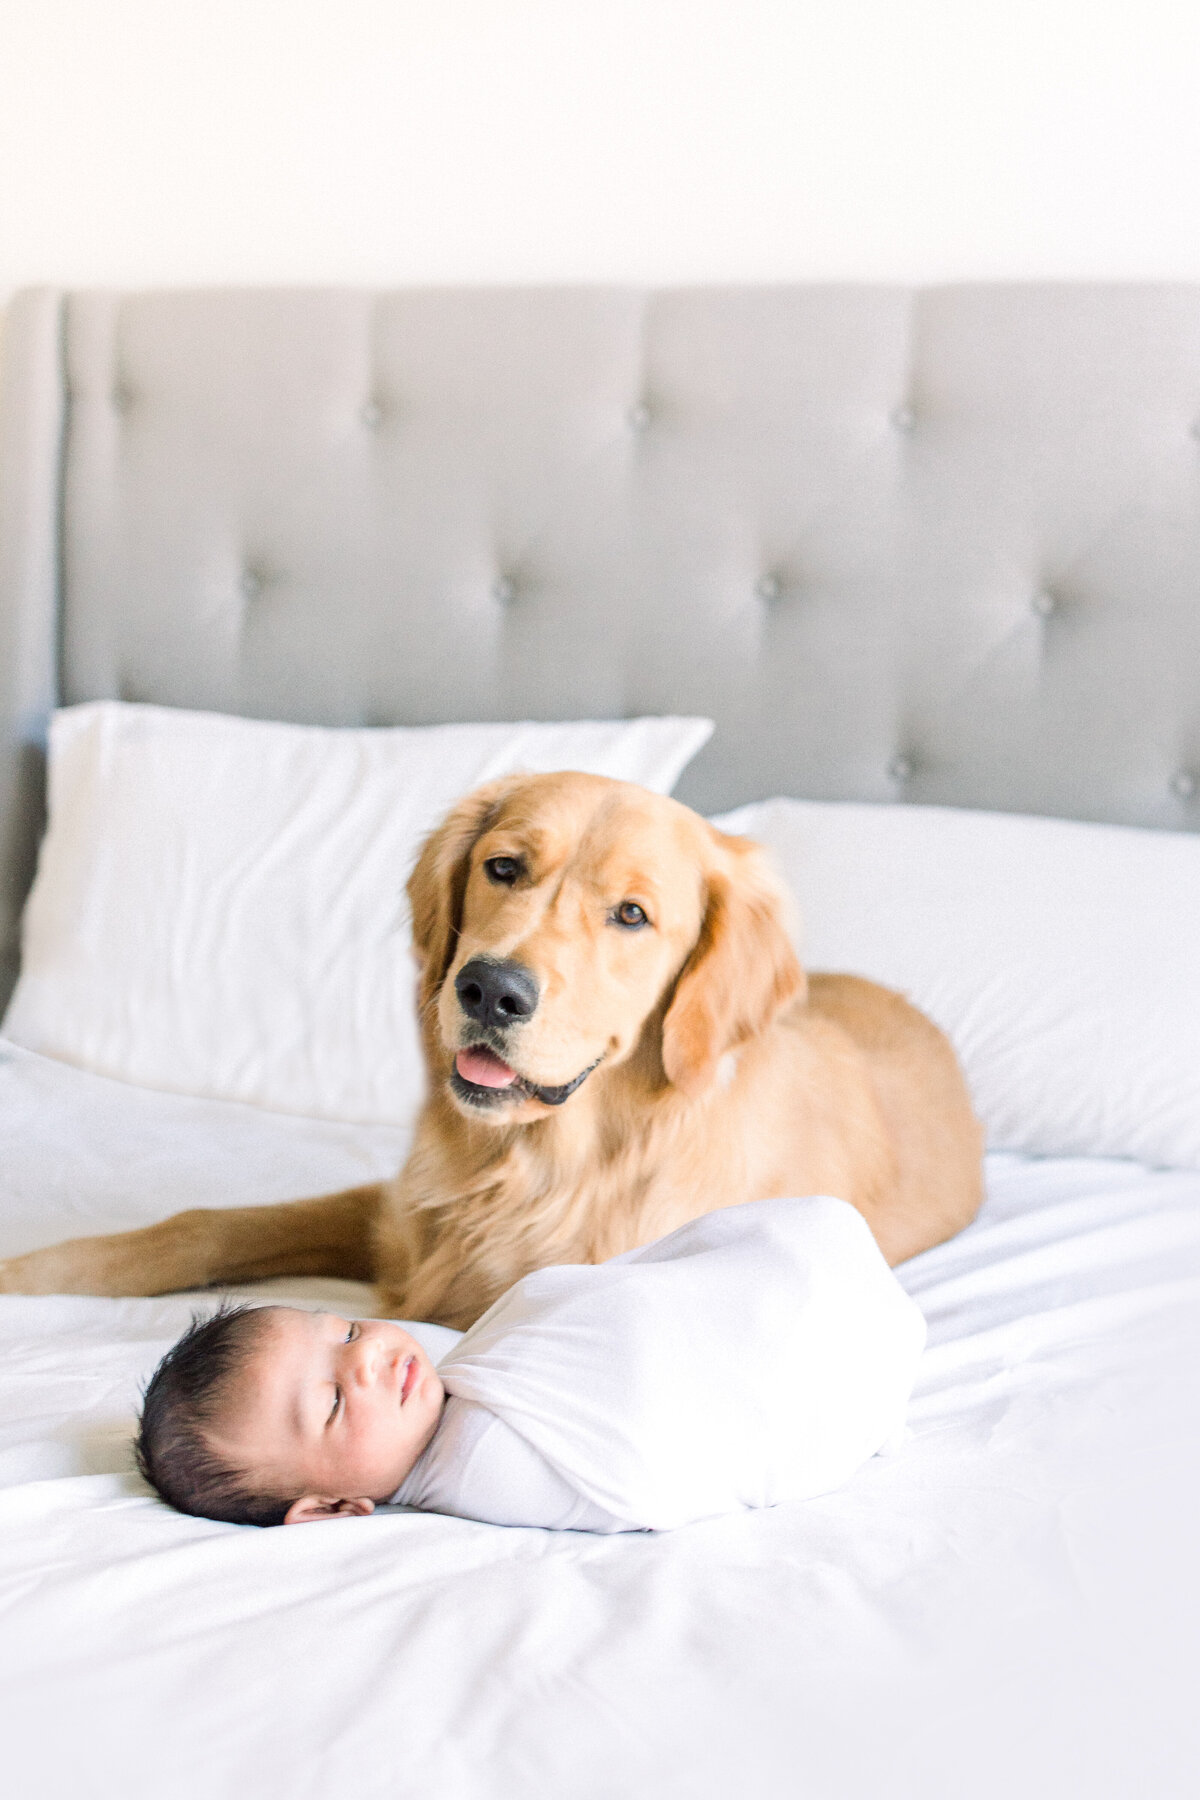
(410, 1375)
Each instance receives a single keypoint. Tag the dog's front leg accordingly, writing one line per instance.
(434, 1264)
(333, 1235)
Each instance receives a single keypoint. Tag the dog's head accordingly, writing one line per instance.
(559, 919)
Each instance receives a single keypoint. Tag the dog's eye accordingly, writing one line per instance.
(630, 915)
(503, 870)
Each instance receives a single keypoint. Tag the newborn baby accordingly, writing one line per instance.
(757, 1354)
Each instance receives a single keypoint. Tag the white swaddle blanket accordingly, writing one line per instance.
(758, 1354)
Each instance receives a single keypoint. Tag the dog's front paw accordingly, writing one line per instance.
(11, 1276)
(38, 1272)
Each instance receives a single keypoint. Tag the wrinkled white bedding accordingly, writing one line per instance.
(1005, 1607)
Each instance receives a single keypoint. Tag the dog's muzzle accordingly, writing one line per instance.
(497, 995)
(484, 1079)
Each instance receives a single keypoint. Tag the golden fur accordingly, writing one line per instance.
(718, 1073)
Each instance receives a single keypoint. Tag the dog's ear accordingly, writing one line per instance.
(741, 974)
(439, 880)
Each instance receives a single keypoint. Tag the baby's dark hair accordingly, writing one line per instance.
(181, 1404)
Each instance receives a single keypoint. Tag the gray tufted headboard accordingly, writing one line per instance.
(938, 545)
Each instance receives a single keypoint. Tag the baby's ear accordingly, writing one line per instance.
(311, 1507)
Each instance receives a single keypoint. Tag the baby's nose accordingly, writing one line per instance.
(372, 1361)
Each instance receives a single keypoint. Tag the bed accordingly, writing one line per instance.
(931, 553)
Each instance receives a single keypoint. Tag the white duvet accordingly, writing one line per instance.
(1006, 1607)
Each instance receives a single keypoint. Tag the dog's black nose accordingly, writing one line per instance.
(496, 994)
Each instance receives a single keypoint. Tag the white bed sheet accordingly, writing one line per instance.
(1008, 1606)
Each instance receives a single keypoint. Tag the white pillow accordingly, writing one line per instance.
(219, 906)
(1063, 959)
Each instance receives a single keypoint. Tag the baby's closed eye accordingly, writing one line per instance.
(352, 1331)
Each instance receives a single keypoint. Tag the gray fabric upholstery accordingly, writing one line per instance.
(30, 442)
(938, 545)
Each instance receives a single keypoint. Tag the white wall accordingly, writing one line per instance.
(148, 141)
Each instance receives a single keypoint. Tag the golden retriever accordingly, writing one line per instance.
(619, 1037)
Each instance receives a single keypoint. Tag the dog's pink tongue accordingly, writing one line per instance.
(485, 1070)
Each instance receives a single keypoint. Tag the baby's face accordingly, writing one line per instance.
(331, 1408)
